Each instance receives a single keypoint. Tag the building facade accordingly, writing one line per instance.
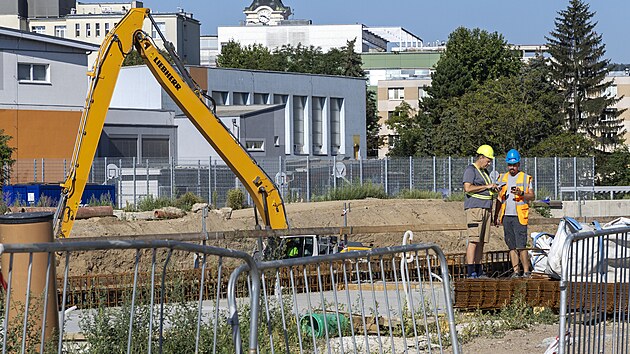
(90, 22)
(272, 113)
(42, 92)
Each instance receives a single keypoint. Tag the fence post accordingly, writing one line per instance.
(410, 173)
(281, 184)
(536, 176)
(43, 171)
(214, 181)
(434, 175)
(210, 180)
(555, 178)
(308, 179)
(199, 178)
(91, 171)
(575, 191)
(172, 171)
(34, 170)
(360, 170)
(333, 172)
(450, 176)
(65, 169)
(105, 178)
(386, 177)
(147, 178)
(135, 201)
(120, 180)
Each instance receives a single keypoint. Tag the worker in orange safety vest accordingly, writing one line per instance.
(512, 211)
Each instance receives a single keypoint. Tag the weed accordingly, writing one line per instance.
(186, 201)
(418, 194)
(235, 199)
(354, 191)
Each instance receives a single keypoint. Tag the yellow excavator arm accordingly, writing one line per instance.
(119, 42)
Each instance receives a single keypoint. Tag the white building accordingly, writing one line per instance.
(90, 22)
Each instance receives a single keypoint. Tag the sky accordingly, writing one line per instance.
(520, 21)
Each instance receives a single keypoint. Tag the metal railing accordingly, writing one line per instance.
(356, 302)
(595, 292)
(351, 302)
(303, 178)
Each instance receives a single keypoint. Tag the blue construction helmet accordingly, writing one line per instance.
(513, 157)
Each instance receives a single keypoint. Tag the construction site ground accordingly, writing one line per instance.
(369, 212)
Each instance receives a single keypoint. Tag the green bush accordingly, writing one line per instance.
(150, 203)
(186, 201)
(103, 200)
(354, 191)
(418, 194)
(235, 199)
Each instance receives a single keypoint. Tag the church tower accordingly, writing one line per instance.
(266, 12)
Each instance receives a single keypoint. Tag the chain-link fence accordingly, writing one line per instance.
(304, 178)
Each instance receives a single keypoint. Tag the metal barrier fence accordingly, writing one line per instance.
(151, 318)
(595, 292)
(356, 302)
(341, 303)
(302, 179)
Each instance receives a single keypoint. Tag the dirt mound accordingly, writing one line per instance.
(369, 212)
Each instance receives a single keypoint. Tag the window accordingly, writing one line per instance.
(106, 28)
(220, 97)
(60, 31)
(33, 72)
(261, 98)
(317, 117)
(397, 93)
(77, 30)
(124, 147)
(336, 106)
(280, 99)
(88, 30)
(240, 98)
(299, 102)
(161, 26)
(422, 92)
(97, 29)
(155, 148)
(255, 145)
(611, 91)
(38, 29)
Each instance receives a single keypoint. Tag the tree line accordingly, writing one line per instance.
(556, 104)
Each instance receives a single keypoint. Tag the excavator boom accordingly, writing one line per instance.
(189, 98)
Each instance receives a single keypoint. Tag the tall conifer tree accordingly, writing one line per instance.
(579, 70)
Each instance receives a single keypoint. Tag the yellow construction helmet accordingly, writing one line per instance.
(486, 150)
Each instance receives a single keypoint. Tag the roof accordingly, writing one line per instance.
(48, 39)
(274, 4)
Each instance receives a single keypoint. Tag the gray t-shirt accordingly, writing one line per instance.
(510, 204)
(472, 176)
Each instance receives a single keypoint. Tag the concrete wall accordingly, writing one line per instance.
(595, 208)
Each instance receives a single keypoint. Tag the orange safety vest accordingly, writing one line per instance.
(522, 207)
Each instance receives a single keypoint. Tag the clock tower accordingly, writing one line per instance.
(266, 12)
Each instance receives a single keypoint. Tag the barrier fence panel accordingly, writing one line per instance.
(595, 292)
(172, 298)
(390, 300)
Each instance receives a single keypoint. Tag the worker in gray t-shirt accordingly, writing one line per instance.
(479, 190)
